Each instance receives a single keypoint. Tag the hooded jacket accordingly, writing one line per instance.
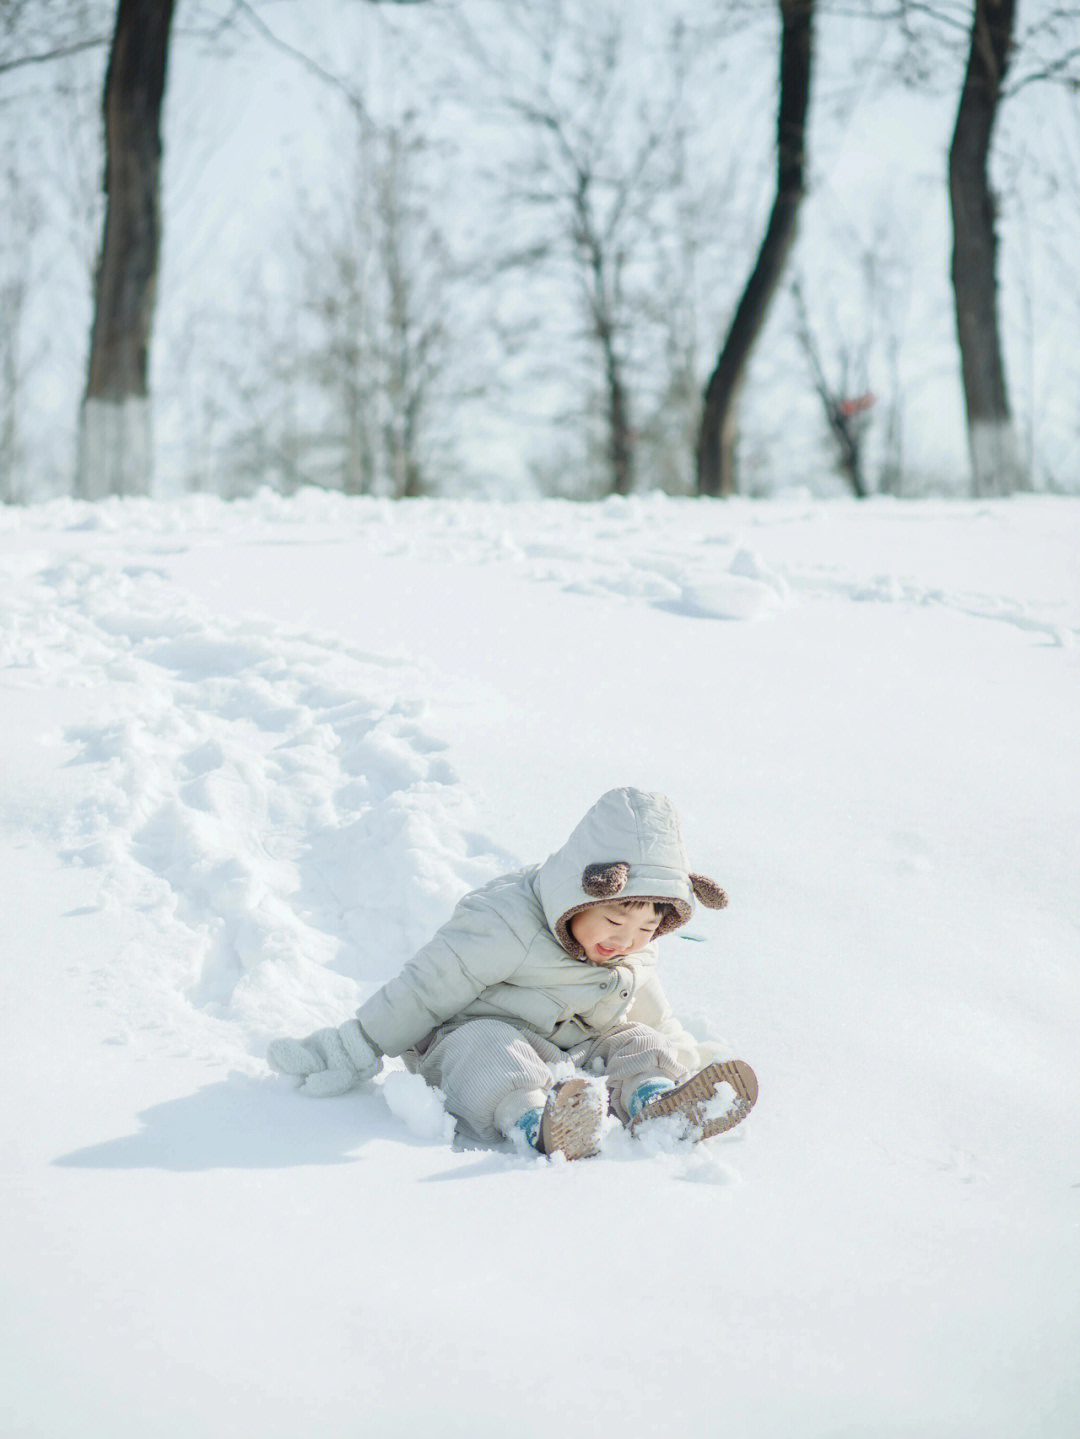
(507, 952)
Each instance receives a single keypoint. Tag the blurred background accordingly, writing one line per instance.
(503, 249)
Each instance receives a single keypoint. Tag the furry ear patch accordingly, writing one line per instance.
(604, 881)
(708, 892)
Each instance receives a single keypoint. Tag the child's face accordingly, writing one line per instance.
(607, 932)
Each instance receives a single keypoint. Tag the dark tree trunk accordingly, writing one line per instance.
(620, 442)
(847, 432)
(716, 440)
(620, 439)
(995, 461)
(114, 422)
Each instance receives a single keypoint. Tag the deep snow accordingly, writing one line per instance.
(253, 752)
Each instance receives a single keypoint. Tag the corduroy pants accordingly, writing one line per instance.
(492, 1072)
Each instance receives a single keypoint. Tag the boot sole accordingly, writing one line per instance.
(571, 1122)
(691, 1098)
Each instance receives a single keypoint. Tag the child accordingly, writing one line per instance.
(548, 970)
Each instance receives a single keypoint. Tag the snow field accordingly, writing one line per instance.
(254, 754)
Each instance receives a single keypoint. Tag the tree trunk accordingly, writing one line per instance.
(620, 439)
(114, 446)
(603, 286)
(995, 455)
(845, 427)
(716, 439)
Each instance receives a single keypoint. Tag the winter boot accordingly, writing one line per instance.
(572, 1119)
(705, 1102)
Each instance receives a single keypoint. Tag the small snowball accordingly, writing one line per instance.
(749, 565)
(734, 598)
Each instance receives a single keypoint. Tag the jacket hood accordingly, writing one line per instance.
(628, 846)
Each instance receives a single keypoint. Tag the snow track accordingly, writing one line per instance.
(275, 828)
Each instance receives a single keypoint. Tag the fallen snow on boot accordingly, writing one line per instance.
(573, 1119)
(710, 1102)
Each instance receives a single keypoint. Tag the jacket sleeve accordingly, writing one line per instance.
(651, 1007)
(474, 949)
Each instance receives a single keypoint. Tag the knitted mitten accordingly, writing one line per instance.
(330, 1061)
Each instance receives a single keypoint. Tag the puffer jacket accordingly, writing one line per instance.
(507, 952)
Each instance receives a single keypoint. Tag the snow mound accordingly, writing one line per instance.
(419, 1107)
(729, 599)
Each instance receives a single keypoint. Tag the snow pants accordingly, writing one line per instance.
(492, 1072)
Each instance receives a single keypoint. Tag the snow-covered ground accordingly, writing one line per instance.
(252, 753)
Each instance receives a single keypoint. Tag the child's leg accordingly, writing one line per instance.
(492, 1074)
(635, 1059)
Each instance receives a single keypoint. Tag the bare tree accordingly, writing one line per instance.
(600, 187)
(846, 400)
(413, 265)
(716, 441)
(999, 51)
(114, 442)
(1051, 256)
(351, 358)
(995, 458)
(23, 218)
(49, 223)
(376, 341)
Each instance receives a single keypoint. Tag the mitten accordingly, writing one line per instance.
(330, 1061)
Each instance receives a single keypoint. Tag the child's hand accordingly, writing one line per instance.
(330, 1061)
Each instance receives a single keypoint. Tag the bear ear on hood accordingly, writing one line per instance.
(604, 881)
(708, 892)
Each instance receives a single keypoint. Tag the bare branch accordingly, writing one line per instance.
(1066, 68)
(958, 18)
(61, 52)
(312, 66)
